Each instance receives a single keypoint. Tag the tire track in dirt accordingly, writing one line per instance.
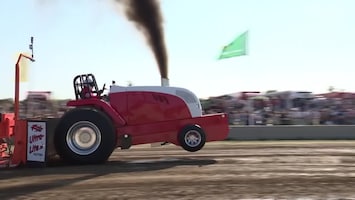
(223, 170)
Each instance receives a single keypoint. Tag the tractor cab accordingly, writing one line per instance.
(85, 87)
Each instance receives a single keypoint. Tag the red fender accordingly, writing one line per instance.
(95, 102)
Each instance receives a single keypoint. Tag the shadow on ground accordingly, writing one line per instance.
(85, 172)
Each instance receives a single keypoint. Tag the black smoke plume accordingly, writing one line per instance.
(147, 17)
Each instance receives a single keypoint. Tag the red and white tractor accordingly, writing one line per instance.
(97, 123)
(132, 115)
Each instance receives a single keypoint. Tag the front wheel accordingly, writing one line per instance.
(192, 138)
(85, 136)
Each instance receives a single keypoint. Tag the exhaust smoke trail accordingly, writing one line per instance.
(147, 17)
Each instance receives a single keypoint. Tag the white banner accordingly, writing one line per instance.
(36, 141)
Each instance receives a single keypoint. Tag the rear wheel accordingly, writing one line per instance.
(85, 136)
(192, 138)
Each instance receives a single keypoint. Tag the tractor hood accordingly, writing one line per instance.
(189, 97)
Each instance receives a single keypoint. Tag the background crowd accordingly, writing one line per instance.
(285, 108)
(243, 108)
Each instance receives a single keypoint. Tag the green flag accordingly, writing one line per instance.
(236, 48)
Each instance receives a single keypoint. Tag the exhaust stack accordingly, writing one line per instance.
(164, 82)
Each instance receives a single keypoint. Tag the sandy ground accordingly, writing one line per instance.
(222, 170)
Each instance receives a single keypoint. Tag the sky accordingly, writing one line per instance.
(293, 45)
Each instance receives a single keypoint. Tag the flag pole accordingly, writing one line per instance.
(17, 80)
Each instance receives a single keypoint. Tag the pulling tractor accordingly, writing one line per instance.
(102, 120)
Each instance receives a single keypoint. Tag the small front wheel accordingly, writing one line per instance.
(192, 138)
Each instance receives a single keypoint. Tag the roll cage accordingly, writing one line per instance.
(80, 82)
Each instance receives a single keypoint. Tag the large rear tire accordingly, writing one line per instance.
(85, 136)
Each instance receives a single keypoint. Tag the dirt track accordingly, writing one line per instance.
(222, 170)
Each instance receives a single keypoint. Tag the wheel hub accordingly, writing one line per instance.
(83, 138)
(193, 138)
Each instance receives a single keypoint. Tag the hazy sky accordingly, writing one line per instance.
(293, 45)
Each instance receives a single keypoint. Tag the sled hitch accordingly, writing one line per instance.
(125, 141)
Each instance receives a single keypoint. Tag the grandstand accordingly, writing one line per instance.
(244, 108)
